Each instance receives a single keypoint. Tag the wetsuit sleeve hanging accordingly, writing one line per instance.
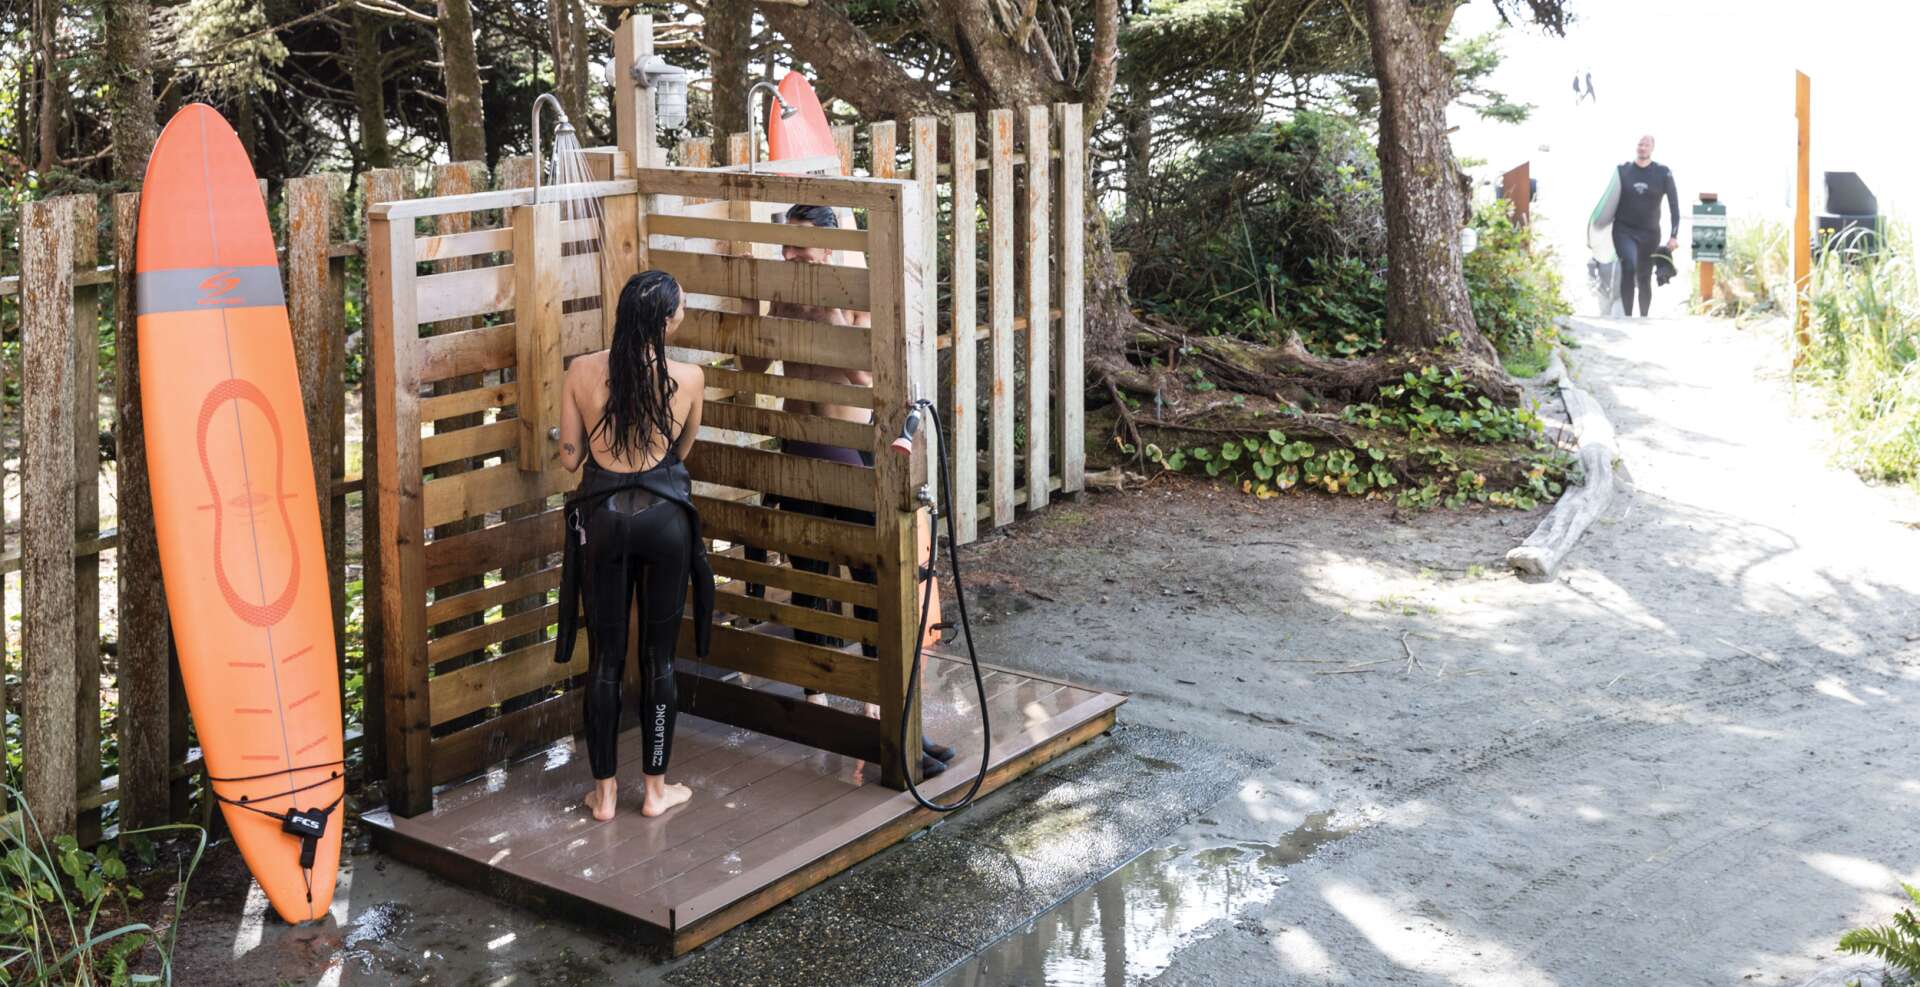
(1673, 206)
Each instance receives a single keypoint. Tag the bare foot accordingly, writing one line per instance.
(668, 797)
(601, 800)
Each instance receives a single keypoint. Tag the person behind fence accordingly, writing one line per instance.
(630, 415)
(934, 756)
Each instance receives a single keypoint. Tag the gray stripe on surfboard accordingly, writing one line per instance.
(208, 289)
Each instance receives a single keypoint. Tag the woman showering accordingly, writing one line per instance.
(633, 546)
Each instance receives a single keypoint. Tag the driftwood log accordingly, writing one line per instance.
(1549, 544)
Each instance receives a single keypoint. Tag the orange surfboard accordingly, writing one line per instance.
(234, 507)
(807, 134)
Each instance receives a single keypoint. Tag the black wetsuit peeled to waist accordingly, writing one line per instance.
(633, 537)
(851, 515)
(1636, 228)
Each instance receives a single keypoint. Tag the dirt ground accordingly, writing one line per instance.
(1688, 759)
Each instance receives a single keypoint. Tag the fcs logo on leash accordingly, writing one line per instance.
(218, 288)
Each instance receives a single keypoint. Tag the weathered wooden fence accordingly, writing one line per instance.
(77, 387)
(66, 279)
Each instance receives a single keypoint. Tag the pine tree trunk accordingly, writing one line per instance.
(246, 127)
(577, 43)
(729, 32)
(369, 90)
(1139, 122)
(130, 104)
(48, 115)
(562, 32)
(466, 115)
(858, 70)
(1426, 292)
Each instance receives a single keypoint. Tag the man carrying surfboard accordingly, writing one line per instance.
(1636, 223)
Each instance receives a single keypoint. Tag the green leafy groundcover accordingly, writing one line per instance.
(1429, 441)
(1897, 944)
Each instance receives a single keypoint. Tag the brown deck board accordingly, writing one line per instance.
(769, 817)
(710, 770)
(631, 838)
(556, 778)
(700, 893)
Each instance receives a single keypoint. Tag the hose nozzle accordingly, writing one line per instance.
(908, 429)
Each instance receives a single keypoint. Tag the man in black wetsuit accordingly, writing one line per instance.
(1636, 223)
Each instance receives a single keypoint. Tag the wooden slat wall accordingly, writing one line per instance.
(705, 232)
(456, 229)
(516, 173)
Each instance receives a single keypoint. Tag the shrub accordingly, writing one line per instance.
(1864, 352)
(1283, 230)
(1278, 230)
(1513, 285)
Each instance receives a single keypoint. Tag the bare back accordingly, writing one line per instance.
(814, 371)
(584, 403)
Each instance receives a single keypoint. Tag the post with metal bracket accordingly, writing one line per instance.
(1709, 239)
(536, 318)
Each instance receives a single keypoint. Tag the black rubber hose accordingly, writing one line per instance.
(966, 631)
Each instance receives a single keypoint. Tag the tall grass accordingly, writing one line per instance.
(1864, 352)
(52, 894)
(1863, 326)
(1756, 277)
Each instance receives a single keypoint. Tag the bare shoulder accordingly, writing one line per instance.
(588, 367)
(687, 374)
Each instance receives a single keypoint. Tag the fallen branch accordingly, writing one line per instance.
(1549, 544)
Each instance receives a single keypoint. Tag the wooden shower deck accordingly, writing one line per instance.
(769, 818)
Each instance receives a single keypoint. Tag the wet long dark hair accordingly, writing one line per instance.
(639, 388)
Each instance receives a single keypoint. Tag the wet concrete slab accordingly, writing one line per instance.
(961, 892)
(908, 914)
(1127, 927)
(812, 943)
(996, 866)
(1096, 811)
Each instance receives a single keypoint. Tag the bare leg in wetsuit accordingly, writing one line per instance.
(1635, 249)
(636, 561)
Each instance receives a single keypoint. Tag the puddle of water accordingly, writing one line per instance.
(1128, 926)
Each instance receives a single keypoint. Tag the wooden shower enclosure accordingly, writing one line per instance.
(472, 325)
